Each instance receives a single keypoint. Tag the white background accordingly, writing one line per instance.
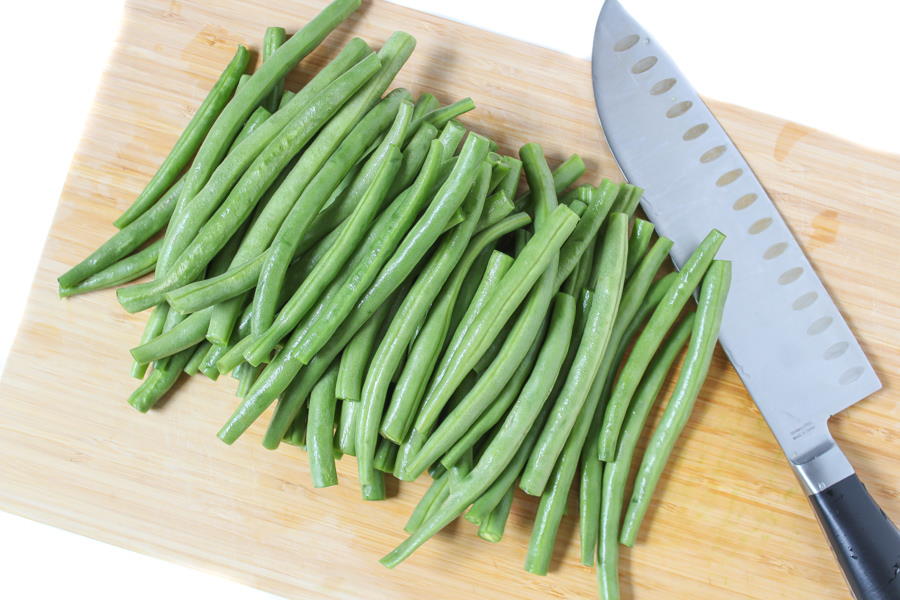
(831, 65)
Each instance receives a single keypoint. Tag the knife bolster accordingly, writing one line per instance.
(826, 467)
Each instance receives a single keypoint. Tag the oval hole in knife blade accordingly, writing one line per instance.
(644, 65)
(790, 276)
(662, 86)
(819, 325)
(744, 201)
(729, 177)
(759, 226)
(850, 375)
(626, 42)
(694, 132)
(835, 350)
(805, 301)
(712, 154)
(679, 109)
(775, 250)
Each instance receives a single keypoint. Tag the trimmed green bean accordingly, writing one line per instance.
(563, 176)
(320, 431)
(510, 183)
(704, 334)
(193, 365)
(597, 330)
(272, 40)
(347, 427)
(243, 197)
(159, 382)
(491, 529)
(502, 459)
(123, 271)
(189, 140)
(410, 314)
(125, 241)
(615, 473)
(445, 114)
(385, 455)
(186, 334)
(641, 234)
(665, 314)
(497, 207)
(450, 137)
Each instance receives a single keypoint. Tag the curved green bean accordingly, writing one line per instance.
(597, 330)
(563, 176)
(615, 473)
(704, 334)
(319, 432)
(189, 140)
(665, 314)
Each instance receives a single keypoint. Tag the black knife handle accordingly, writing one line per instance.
(865, 541)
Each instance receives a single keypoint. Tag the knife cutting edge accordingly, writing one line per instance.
(781, 330)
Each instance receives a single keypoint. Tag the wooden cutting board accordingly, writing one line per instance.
(729, 520)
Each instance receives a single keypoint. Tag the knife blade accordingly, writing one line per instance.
(781, 330)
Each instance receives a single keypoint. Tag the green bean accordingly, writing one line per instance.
(581, 275)
(385, 455)
(414, 154)
(497, 207)
(590, 485)
(641, 233)
(492, 528)
(434, 493)
(123, 271)
(414, 246)
(193, 365)
(256, 119)
(159, 382)
(356, 357)
(371, 187)
(586, 230)
(460, 469)
(583, 193)
(654, 296)
(186, 334)
(234, 355)
(502, 459)
(492, 415)
(499, 171)
(563, 176)
(615, 473)
(491, 353)
(411, 312)
(347, 427)
(704, 334)
(296, 433)
(249, 96)
(424, 105)
(208, 365)
(426, 348)
(245, 373)
(665, 314)
(189, 140)
(126, 240)
(538, 253)
(540, 182)
(597, 330)
(273, 38)
(450, 137)
(319, 432)
(247, 192)
(441, 116)
(152, 328)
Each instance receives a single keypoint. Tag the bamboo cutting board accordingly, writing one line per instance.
(729, 520)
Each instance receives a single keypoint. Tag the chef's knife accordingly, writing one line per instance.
(783, 333)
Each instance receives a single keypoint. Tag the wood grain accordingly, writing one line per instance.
(729, 520)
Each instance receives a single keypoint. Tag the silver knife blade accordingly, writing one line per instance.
(781, 329)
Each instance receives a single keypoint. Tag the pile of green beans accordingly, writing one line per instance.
(369, 264)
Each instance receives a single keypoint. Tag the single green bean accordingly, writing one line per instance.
(597, 330)
(414, 154)
(510, 183)
(296, 433)
(249, 96)
(450, 137)
(665, 314)
(125, 241)
(581, 275)
(435, 492)
(427, 346)
(615, 473)
(536, 256)
(441, 116)
(253, 183)
(246, 375)
(491, 529)
(374, 181)
(189, 140)
(347, 427)
(641, 234)
(704, 334)
(159, 382)
(186, 334)
(410, 314)
(385, 455)
(319, 431)
(502, 459)
(497, 207)
(273, 38)
(193, 365)
(425, 104)
(123, 271)
(563, 176)
(256, 119)
(499, 171)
